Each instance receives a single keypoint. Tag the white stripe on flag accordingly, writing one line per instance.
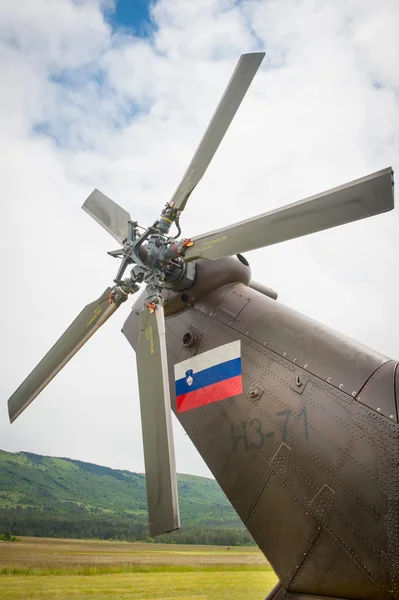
(208, 359)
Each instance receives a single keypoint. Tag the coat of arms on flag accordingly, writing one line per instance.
(209, 377)
(189, 377)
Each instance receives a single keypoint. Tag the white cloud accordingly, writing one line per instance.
(83, 107)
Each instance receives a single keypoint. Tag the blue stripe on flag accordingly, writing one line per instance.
(219, 372)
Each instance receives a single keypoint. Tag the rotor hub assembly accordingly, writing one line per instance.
(161, 262)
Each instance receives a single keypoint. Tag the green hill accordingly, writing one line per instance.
(60, 497)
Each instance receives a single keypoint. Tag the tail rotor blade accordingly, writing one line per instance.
(237, 88)
(359, 199)
(156, 422)
(89, 320)
(108, 214)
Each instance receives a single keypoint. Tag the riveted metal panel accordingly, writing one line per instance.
(347, 577)
(350, 505)
(325, 352)
(280, 461)
(379, 391)
(214, 445)
(249, 484)
(287, 532)
(360, 549)
(235, 461)
(362, 479)
(329, 570)
(253, 479)
(209, 304)
(335, 441)
(312, 443)
(319, 561)
(322, 504)
(229, 308)
(303, 486)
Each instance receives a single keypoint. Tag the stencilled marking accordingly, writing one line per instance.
(95, 316)
(303, 413)
(256, 424)
(243, 434)
(287, 414)
(149, 335)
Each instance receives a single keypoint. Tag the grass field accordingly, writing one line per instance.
(71, 569)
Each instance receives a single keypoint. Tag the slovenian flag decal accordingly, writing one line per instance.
(209, 377)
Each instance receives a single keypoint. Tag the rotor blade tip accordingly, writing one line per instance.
(11, 415)
(260, 55)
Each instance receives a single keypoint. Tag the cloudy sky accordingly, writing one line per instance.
(116, 95)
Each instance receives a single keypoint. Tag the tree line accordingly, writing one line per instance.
(109, 527)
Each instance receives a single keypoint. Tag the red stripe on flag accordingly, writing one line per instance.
(210, 393)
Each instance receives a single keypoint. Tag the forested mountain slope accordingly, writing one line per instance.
(61, 497)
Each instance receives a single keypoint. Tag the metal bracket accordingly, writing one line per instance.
(299, 382)
(255, 392)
